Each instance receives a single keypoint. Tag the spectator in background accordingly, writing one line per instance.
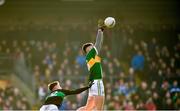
(157, 100)
(150, 105)
(123, 88)
(132, 88)
(81, 59)
(64, 106)
(131, 76)
(142, 91)
(137, 61)
(174, 88)
(177, 63)
(129, 106)
(152, 47)
(42, 92)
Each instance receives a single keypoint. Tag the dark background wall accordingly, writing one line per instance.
(67, 12)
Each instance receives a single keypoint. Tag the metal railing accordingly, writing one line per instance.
(22, 71)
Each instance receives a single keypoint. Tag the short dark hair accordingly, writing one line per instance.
(85, 46)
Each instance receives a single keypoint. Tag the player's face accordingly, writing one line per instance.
(56, 87)
(88, 48)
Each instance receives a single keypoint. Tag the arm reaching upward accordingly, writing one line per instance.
(99, 40)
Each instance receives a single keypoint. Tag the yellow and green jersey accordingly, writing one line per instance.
(94, 64)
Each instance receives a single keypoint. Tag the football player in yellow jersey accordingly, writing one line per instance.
(96, 92)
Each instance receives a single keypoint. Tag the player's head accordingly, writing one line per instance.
(87, 47)
(54, 86)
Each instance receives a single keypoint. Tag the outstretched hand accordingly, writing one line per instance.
(101, 24)
(90, 83)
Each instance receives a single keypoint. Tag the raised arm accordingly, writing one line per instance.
(99, 40)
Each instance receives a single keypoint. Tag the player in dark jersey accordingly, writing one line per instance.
(57, 94)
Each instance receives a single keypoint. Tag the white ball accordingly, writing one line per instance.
(110, 22)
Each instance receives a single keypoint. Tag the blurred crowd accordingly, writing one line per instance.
(140, 71)
(12, 98)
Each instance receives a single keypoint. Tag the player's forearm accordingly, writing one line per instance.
(99, 40)
(77, 91)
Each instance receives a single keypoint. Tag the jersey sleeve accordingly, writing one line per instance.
(71, 92)
(99, 40)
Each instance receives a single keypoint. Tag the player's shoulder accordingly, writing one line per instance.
(93, 51)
